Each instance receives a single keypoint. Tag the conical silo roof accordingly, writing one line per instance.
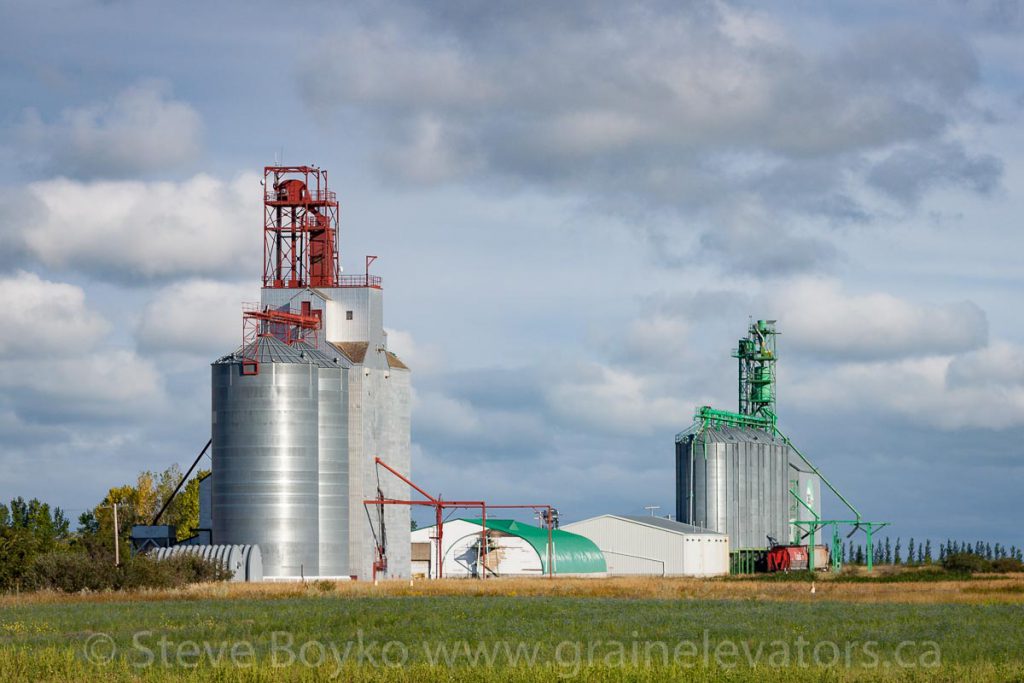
(320, 358)
(270, 349)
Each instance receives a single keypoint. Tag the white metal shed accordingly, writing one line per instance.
(639, 545)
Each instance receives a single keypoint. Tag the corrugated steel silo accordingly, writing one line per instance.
(333, 459)
(734, 481)
(266, 457)
(243, 561)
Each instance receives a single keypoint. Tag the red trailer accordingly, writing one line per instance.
(784, 558)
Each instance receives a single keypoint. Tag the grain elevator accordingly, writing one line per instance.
(301, 409)
(739, 475)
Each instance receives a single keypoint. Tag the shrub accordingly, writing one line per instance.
(1007, 564)
(142, 571)
(966, 562)
(73, 572)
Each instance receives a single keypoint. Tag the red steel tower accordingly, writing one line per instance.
(300, 228)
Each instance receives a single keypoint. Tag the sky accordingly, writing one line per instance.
(577, 207)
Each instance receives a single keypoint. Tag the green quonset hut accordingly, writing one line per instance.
(513, 549)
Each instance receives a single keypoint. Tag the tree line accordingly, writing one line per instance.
(39, 549)
(919, 553)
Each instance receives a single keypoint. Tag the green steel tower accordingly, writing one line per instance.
(756, 355)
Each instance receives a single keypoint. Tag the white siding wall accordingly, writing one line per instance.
(367, 324)
(366, 304)
(379, 416)
(634, 548)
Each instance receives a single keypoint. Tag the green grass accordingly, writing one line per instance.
(582, 638)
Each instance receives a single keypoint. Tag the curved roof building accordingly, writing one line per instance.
(513, 549)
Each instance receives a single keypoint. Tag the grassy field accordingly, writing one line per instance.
(616, 629)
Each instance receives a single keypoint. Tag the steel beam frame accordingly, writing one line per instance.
(380, 563)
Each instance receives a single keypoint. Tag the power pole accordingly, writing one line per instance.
(117, 545)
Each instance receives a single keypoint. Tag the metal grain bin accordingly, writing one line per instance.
(243, 561)
(734, 481)
(333, 459)
(266, 458)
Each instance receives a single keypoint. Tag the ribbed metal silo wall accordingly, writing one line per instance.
(243, 561)
(695, 479)
(266, 463)
(333, 483)
(734, 482)
(682, 484)
(690, 483)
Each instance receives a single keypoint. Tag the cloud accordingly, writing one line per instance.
(201, 317)
(55, 366)
(445, 414)
(654, 338)
(130, 230)
(612, 400)
(428, 156)
(657, 104)
(546, 409)
(464, 430)
(140, 130)
(818, 317)
(43, 318)
(421, 358)
(999, 366)
(906, 174)
(701, 304)
(104, 383)
(944, 392)
(748, 238)
(384, 66)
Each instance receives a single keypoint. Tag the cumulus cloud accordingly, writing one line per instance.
(54, 365)
(998, 366)
(661, 104)
(131, 230)
(946, 392)
(141, 129)
(201, 317)
(930, 364)
(43, 318)
(819, 317)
